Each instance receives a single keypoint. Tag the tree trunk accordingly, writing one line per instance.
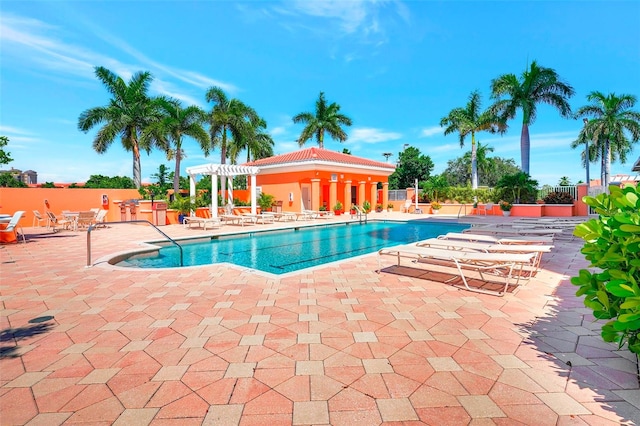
(525, 147)
(137, 179)
(176, 176)
(607, 164)
(223, 160)
(474, 163)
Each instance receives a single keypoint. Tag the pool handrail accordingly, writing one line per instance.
(128, 221)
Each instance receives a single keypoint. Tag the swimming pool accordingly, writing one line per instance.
(289, 250)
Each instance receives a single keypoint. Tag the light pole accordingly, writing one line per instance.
(387, 155)
(587, 157)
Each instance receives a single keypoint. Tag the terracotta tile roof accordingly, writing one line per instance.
(317, 154)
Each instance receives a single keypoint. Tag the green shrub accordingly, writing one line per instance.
(558, 198)
(265, 201)
(612, 244)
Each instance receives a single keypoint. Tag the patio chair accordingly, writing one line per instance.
(100, 218)
(12, 228)
(407, 205)
(37, 217)
(485, 209)
(498, 264)
(58, 221)
(86, 219)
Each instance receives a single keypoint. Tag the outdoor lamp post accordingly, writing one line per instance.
(587, 157)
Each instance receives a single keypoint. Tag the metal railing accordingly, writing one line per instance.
(359, 213)
(572, 189)
(128, 221)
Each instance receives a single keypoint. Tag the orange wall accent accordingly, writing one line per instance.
(282, 184)
(74, 199)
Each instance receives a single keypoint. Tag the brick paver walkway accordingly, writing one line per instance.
(341, 344)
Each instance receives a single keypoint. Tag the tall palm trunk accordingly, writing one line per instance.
(607, 164)
(525, 146)
(176, 174)
(223, 160)
(137, 178)
(474, 162)
(321, 140)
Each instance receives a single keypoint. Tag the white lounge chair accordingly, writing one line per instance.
(511, 231)
(285, 216)
(485, 238)
(202, 222)
(485, 247)
(494, 263)
(13, 226)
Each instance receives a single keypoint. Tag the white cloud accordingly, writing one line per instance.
(372, 135)
(444, 148)
(165, 88)
(35, 41)
(8, 130)
(430, 131)
(277, 131)
(351, 14)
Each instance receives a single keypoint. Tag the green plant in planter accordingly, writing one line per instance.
(265, 201)
(184, 205)
(322, 208)
(378, 207)
(505, 206)
(337, 207)
(558, 198)
(612, 244)
(436, 205)
(366, 206)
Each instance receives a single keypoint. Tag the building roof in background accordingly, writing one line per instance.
(636, 166)
(319, 155)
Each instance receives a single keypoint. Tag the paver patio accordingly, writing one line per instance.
(340, 344)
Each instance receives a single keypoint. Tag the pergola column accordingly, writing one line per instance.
(315, 194)
(374, 194)
(361, 191)
(347, 194)
(214, 196)
(253, 194)
(333, 194)
(385, 194)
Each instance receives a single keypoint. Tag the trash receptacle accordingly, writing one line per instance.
(123, 212)
(159, 213)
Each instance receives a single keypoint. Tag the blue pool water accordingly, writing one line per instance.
(289, 250)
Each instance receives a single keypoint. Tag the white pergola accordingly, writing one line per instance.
(227, 170)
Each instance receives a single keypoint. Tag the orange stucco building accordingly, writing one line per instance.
(315, 177)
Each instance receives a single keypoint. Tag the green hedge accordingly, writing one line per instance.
(612, 245)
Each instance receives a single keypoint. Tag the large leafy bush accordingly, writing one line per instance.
(612, 245)
(558, 198)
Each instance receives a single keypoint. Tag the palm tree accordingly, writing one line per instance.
(128, 113)
(484, 162)
(228, 121)
(468, 121)
(327, 118)
(256, 141)
(536, 85)
(168, 133)
(611, 118)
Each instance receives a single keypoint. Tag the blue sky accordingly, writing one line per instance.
(396, 68)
